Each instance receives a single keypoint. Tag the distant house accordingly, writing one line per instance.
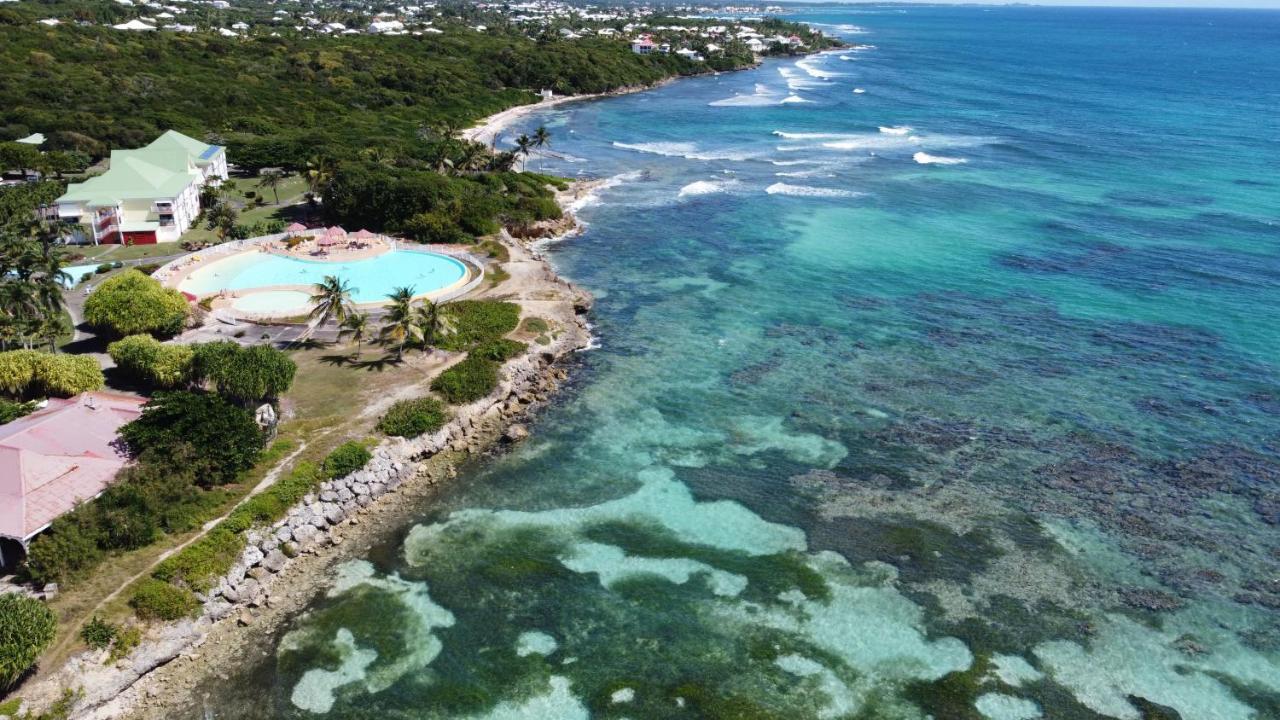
(755, 45)
(386, 27)
(642, 45)
(54, 458)
(149, 195)
(134, 24)
(36, 139)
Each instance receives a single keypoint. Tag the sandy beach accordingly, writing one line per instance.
(488, 130)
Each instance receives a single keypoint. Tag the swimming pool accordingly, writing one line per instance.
(371, 279)
(273, 302)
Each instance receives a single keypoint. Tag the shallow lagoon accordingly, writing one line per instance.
(993, 439)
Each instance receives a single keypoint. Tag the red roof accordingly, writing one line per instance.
(58, 456)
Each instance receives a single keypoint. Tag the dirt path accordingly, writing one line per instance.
(267, 481)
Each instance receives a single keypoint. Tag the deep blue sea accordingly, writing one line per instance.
(937, 377)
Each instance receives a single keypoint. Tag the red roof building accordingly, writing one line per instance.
(56, 457)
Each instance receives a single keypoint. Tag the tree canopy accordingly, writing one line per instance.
(132, 303)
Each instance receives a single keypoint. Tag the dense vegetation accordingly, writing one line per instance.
(133, 303)
(228, 438)
(468, 381)
(411, 418)
(26, 629)
(31, 275)
(35, 374)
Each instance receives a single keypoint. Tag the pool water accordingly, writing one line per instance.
(274, 301)
(371, 279)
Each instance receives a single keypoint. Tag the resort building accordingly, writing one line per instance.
(149, 195)
(54, 458)
(642, 46)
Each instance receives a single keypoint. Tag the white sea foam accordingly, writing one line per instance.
(795, 81)
(762, 96)
(789, 163)
(899, 130)
(793, 98)
(925, 158)
(706, 187)
(685, 150)
(593, 196)
(814, 71)
(808, 191)
(859, 91)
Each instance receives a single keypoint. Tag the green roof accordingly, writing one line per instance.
(162, 169)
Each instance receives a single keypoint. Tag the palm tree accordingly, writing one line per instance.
(523, 145)
(398, 324)
(332, 299)
(221, 218)
(271, 180)
(356, 327)
(431, 323)
(541, 139)
(319, 173)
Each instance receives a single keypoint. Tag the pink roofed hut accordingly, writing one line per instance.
(363, 234)
(54, 458)
(296, 228)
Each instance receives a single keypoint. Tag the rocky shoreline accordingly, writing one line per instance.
(284, 565)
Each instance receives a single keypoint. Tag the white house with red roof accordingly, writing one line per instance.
(54, 458)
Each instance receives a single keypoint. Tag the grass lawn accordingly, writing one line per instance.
(104, 253)
(291, 191)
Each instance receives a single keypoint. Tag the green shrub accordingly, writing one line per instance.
(66, 552)
(468, 381)
(10, 411)
(103, 268)
(147, 268)
(272, 503)
(126, 640)
(476, 321)
(499, 350)
(411, 418)
(346, 459)
(98, 633)
(27, 627)
(226, 435)
(197, 565)
(150, 361)
(32, 373)
(132, 303)
(158, 600)
(245, 375)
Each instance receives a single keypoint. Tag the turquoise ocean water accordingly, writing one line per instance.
(956, 397)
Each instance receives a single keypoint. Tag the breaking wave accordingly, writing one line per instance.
(809, 191)
(706, 187)
(925, 158)
(685, 150)
(899, 130)
(761, 97)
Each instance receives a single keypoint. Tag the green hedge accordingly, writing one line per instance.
(27, 626)
(411, 418)
(32, 373)
(158, 600)
(152, 362)
(468, 381)
(272, 503)
(346, 459)
(203, 561)
(478, 321)
(499, 350)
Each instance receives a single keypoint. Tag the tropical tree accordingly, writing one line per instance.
(524, 144)
(221, 218)
(541, 139)
(272, 180)
(331, 298)
(399, 326)
(432, 323)
(356, 327)
(319, 172)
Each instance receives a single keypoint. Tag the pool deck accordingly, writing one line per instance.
(177, 271)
